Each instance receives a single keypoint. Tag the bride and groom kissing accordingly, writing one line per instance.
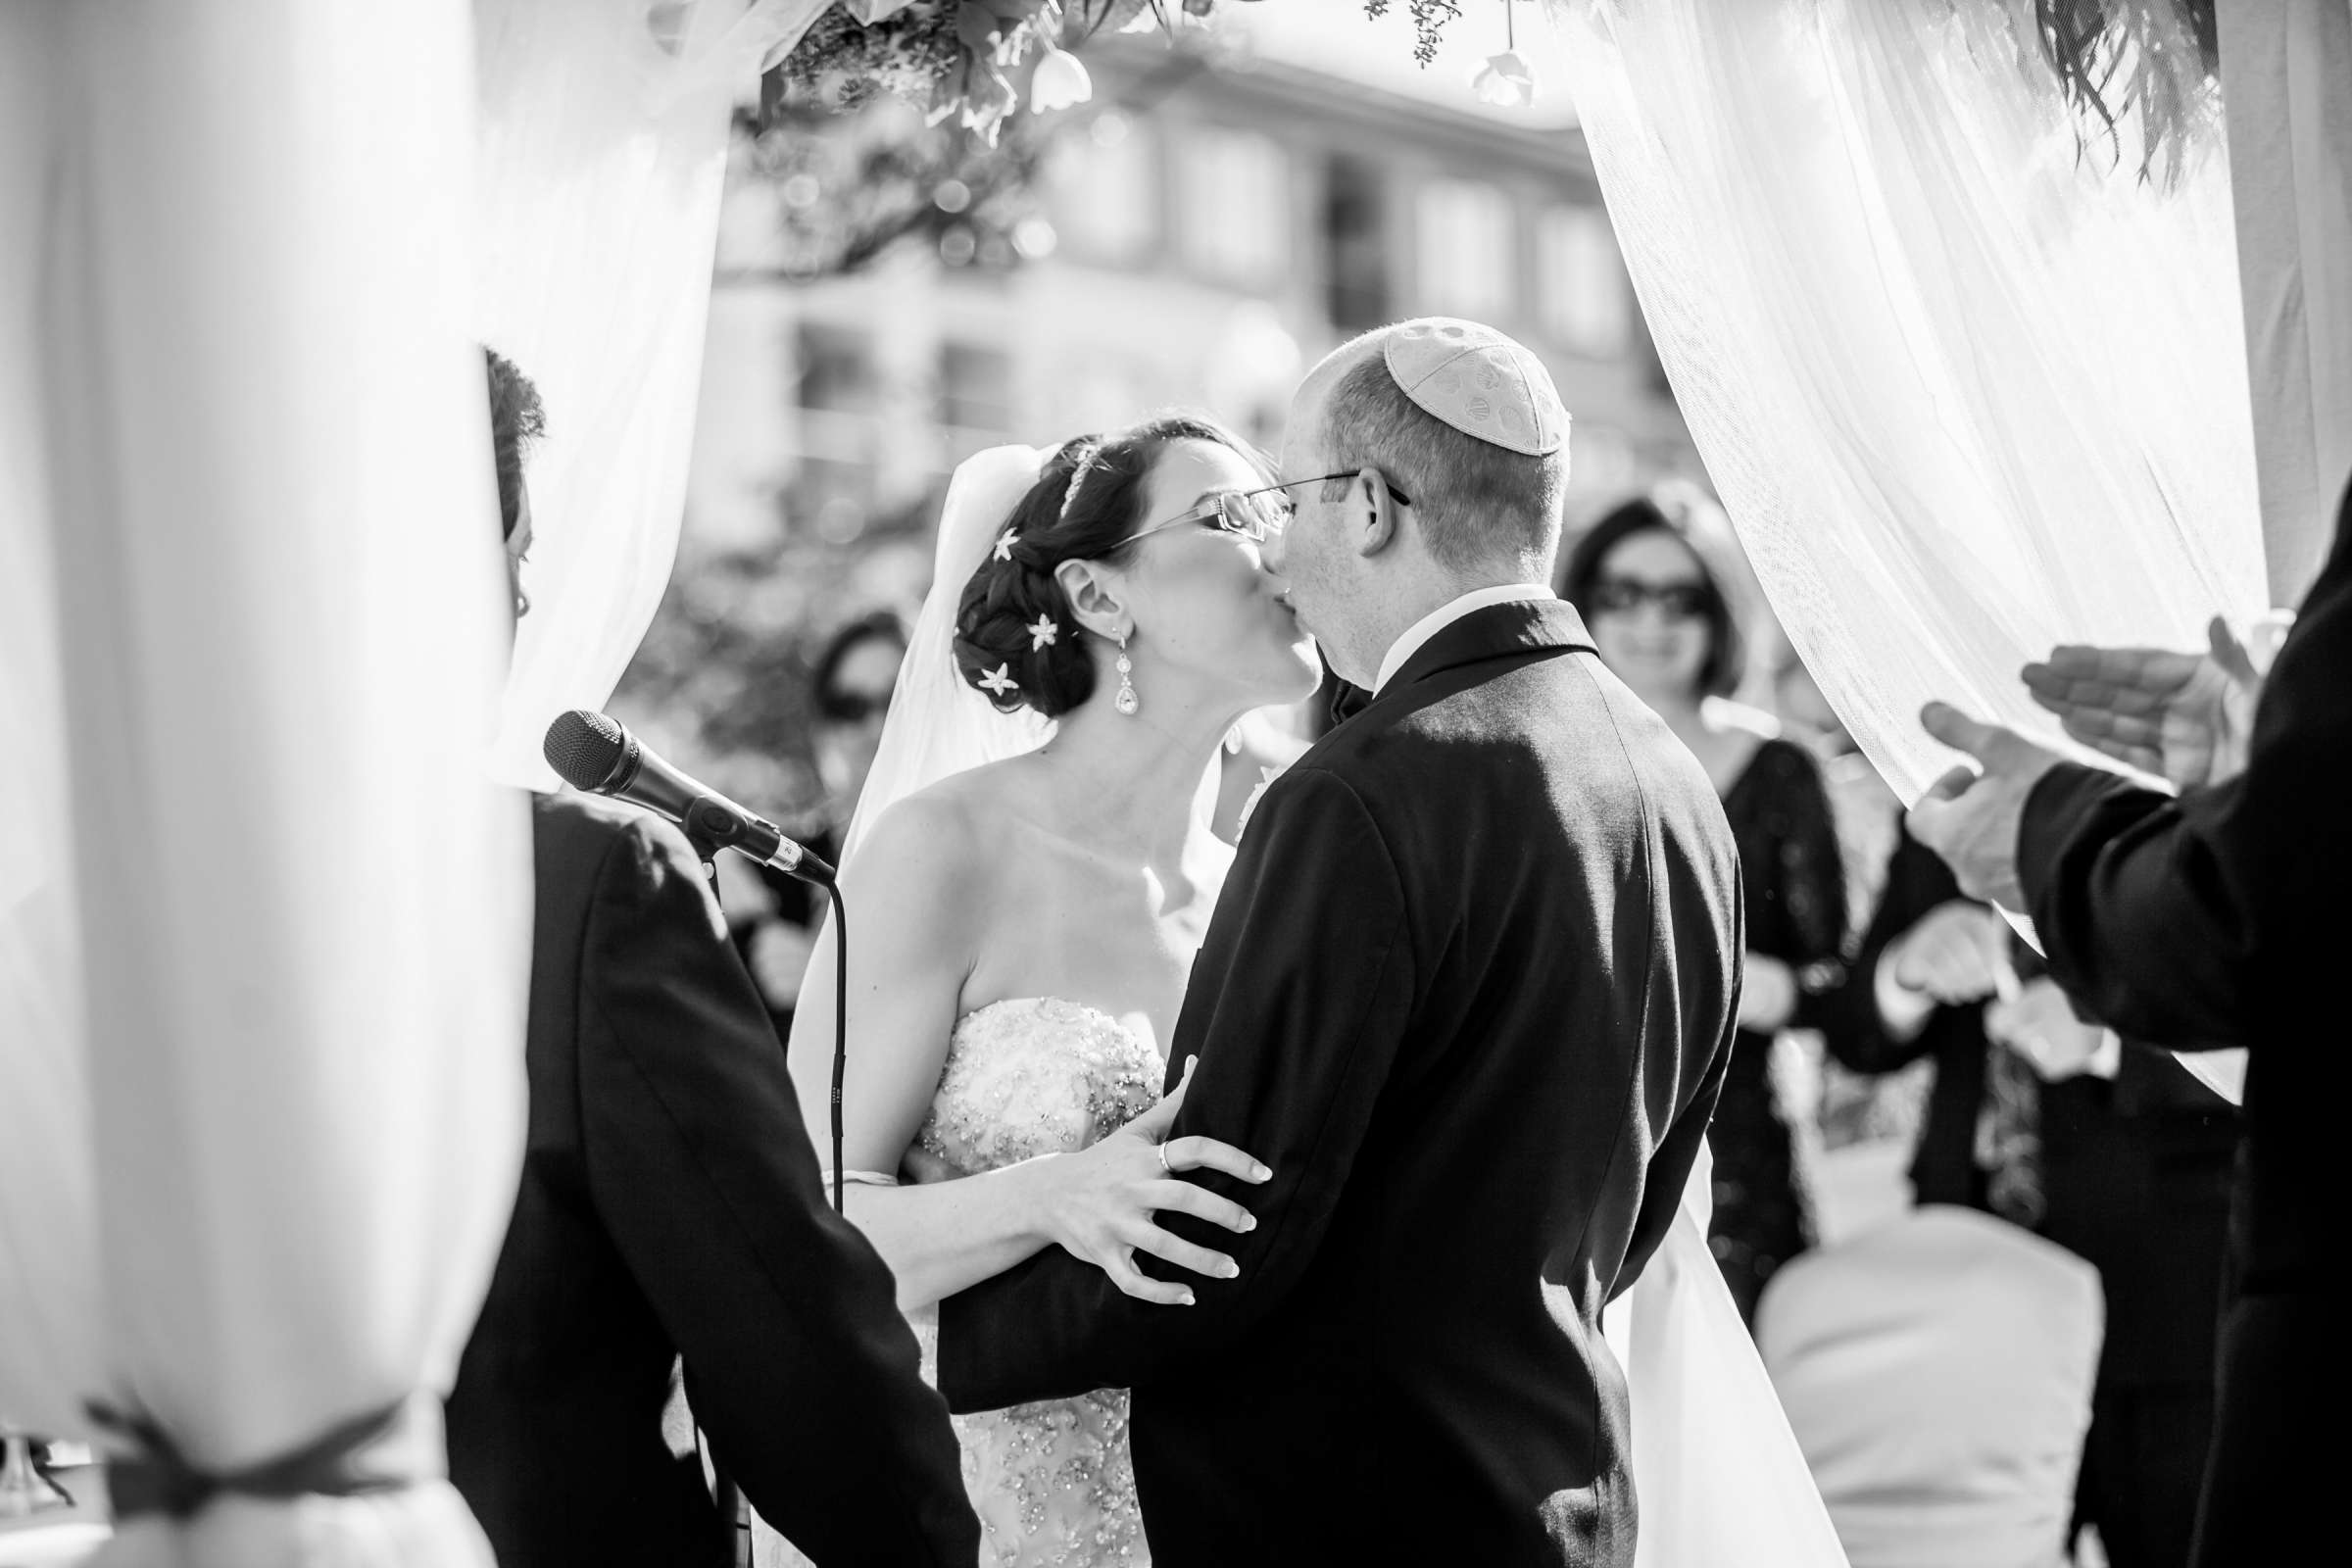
(1261, 1204)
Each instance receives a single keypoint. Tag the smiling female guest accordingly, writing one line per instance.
(1652, 585)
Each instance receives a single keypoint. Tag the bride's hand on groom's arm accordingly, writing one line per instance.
(1100, 1203)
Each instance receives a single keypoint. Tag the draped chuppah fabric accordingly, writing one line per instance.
(1968, 384)
(264, 920)
(603, 151)
(2285, 67)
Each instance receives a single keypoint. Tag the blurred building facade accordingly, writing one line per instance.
(1205, 233)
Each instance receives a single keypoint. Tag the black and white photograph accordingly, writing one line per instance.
(1172, 783)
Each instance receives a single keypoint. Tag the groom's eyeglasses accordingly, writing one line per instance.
(1253, 515)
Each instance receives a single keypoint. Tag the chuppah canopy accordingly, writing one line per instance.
(264, 916)
(1969, 369)
(1968, 385)
(2284, 65)
(603, 148)
(266, 925)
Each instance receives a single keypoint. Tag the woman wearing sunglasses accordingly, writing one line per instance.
(1651, 584)
(1029, 875)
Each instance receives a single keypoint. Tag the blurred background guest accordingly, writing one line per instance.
(1866, 1123)
(1655, 583)
(775, 918)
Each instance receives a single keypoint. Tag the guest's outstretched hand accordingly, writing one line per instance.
(2185, 718)
(1970, 815)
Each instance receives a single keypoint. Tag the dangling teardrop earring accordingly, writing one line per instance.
(1125, 702)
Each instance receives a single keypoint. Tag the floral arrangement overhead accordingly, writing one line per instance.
(1504, 80)
(1429, 22)
(957, 58)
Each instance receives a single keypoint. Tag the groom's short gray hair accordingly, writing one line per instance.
(1477, 503)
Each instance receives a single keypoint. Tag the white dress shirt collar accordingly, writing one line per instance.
(1445, 615)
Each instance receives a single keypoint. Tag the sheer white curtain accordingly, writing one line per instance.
(264, 920)
(48, 1181)
(2285, 67)
(605, 128)
(1966, 390)
(1969, 387)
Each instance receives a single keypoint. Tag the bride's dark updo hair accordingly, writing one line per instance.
(1088, 499)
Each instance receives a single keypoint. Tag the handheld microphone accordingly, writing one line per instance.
(596, 753)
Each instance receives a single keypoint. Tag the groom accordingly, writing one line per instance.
(1469, 991)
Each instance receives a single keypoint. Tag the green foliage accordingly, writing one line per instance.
(721, 683)
(851, 185)
(1430, 18)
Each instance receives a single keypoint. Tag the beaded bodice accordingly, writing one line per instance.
(1038, 1075)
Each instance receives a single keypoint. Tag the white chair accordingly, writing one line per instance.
(1938, 1372)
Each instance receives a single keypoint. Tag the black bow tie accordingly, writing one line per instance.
(1347, 702)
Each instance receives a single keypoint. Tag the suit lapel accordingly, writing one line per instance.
(1494, 632)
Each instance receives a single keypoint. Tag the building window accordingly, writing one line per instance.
(837, 368)
(1355, 249)
(1108, 188)
(1585, 302)
(838, 389)
(975, 389)
(1467, 245)
(1233, 205)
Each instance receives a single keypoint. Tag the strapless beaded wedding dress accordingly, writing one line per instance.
(1051, 1481)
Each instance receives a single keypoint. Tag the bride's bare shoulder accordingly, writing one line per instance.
(943, 834)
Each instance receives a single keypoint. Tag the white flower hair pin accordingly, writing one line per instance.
(1042, 633)
(1005, 543)
(999, 682)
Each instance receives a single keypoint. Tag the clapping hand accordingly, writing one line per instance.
(2185, 718)
(1971, 816)
(2039, 1024)
(1957, 952)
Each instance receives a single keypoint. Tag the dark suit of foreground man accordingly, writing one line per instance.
(1469, 993)
(2220, 919)
(671, 1205)
(2214, 919)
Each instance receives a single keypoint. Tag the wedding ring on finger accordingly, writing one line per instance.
(1164, 1166)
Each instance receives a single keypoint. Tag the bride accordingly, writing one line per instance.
(1030, 874)
(1025, 926)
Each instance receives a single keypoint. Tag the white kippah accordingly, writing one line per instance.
(1480, 382)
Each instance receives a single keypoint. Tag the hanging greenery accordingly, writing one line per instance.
(1428, 24)
(954, 59)
(852, 186)
(2144, 71)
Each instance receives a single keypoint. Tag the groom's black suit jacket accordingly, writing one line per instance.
(671, 1206)
(1469, 992)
